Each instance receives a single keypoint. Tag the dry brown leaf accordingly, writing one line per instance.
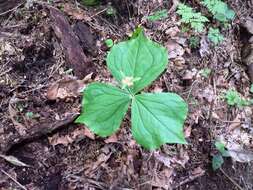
(179, 63)
(188, 75)
(174, 49)
(88, 133)
(182, 159)
(79, 133)
(157, 89)
(163, 179)
(241, 155)
(111, 139)
(204, 47)
(172, 32)
(187, 131)
(101, 159)
(215, 115)
(235, 123)
(198, 171)
(64, 140)
(167, 161)
(65, 88)
(75, 12)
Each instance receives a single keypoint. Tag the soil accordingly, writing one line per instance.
(45, 60)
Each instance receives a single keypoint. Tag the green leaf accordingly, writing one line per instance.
(219, 9)
(140, 59)
(233, 98)
(205, 72)
(220, 146)
(217, 161)
(251, 88)
(109, 43)
(158, 119)
(215, 36)
(189, 16)
(103, 108)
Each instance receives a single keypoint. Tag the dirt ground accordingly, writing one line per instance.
(48, 51)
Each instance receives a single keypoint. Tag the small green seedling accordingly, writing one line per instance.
(158, 15)
(233, 98)
(189, 16)
(215, 36)
(157, 118)
(205, 72)
(219, 10)
(111, 11)
(194, 42)
(217, 159)
(31, 115)
(109, 43)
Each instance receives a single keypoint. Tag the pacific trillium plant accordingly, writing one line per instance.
(157, 118)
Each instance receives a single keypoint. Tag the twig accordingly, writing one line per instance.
(190, 91)
(19, 184)
(99, 12)
(230, 179)
(10, 10)
(5, 72)
(188, 180)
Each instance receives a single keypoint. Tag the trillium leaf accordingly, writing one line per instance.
(139, 58)
(158, 119)
(104, 107)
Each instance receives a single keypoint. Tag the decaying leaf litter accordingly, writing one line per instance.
(46, 62)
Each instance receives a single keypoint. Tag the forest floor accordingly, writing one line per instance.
(48, 51)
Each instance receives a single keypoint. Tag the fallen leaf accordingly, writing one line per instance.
(64, 140)
(111, 139)
(204, 47)
(179, 63)
(215, 115)
(241, 155)
(65, 88)
(187, 131)
(79, 133)
(157, 89)
(101, 159)
(235, 123)
(188, 75)
(174, 49)
(13, 160)
(198, 171)
(163, 159)
(172, 32)
(76, 13)
(163, 179)
(88, 133)
(182, 159)
(208, 94)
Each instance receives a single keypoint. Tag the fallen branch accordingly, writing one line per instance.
(38, 131)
